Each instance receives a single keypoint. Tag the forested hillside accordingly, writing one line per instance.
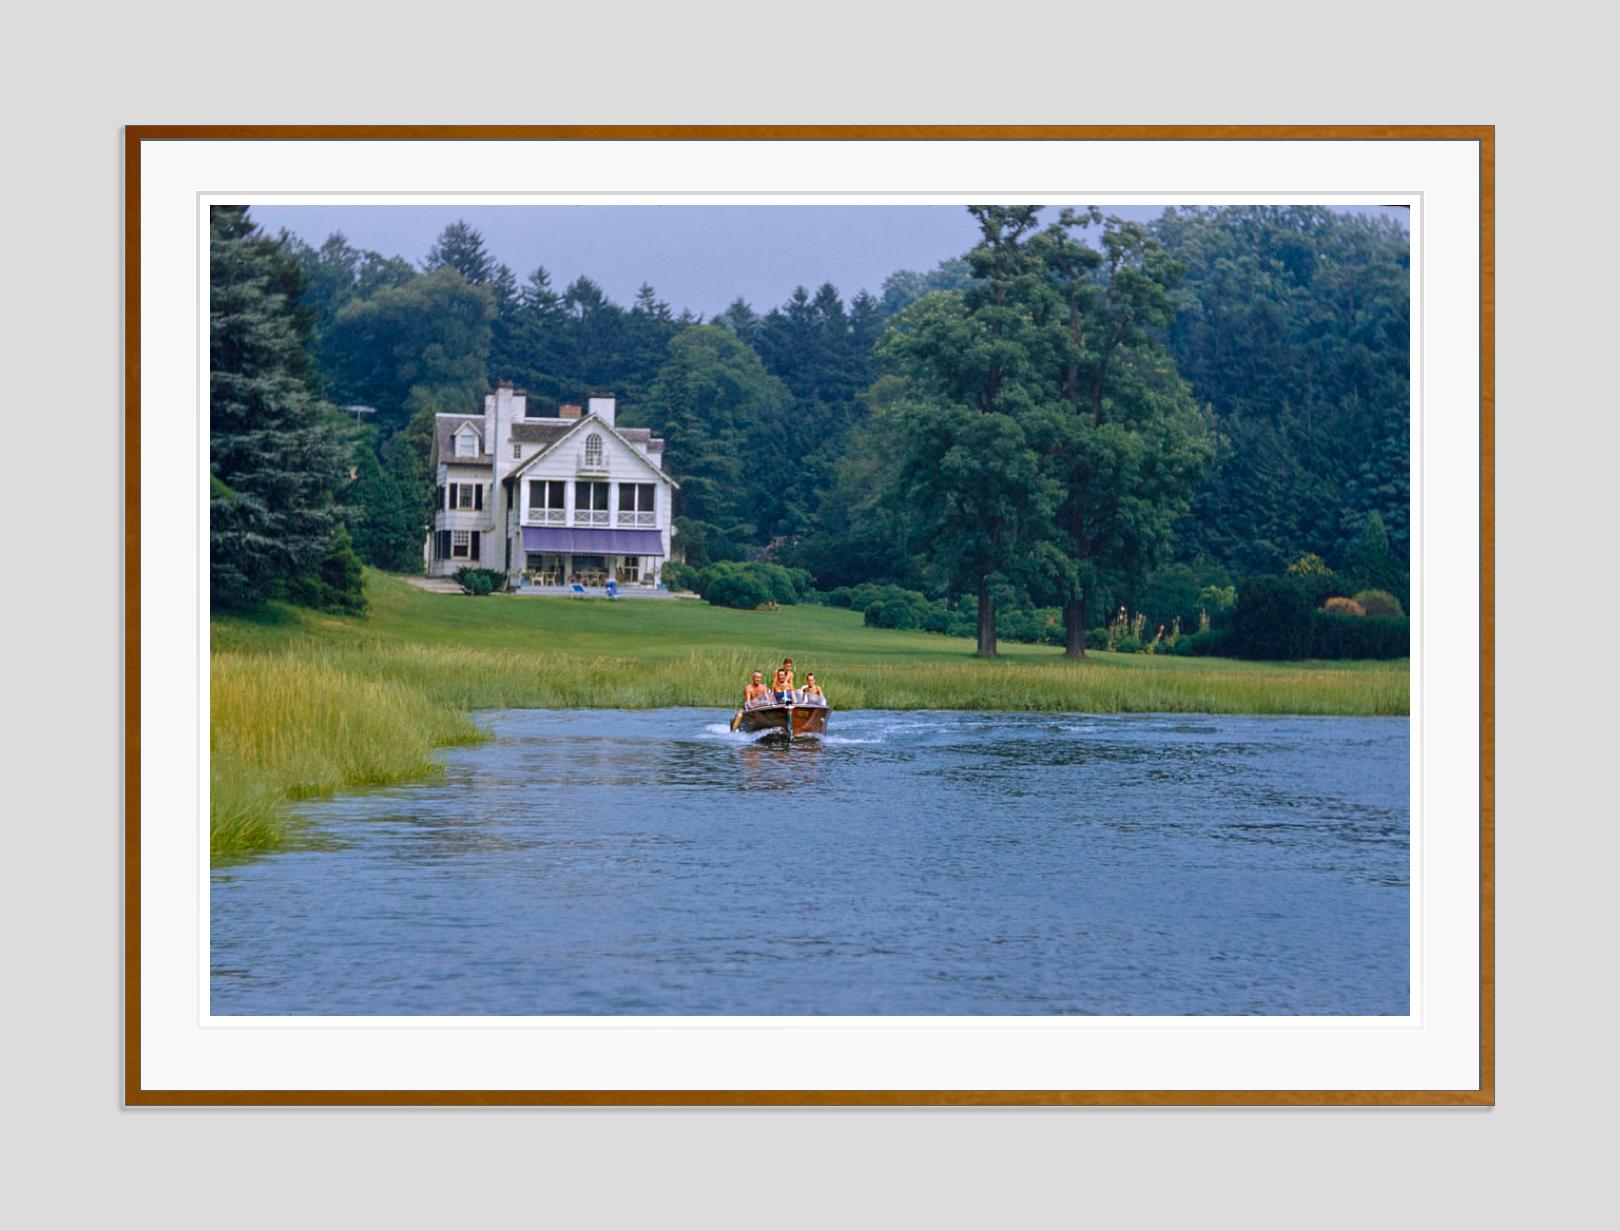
(1080, 413)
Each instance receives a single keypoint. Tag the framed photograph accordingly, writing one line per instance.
(867, 616)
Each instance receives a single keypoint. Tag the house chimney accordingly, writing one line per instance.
(568, 411)
(603, 406)
(500, 412)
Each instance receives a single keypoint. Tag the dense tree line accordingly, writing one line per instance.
(1079, 413)
(1293, 323)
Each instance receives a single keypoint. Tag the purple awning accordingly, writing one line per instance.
(566, 542)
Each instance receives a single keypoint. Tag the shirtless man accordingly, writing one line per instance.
(756, 693)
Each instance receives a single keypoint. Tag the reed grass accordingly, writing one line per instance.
(306, 705)
(295, 725)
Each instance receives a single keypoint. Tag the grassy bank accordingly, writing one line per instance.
(306, 704)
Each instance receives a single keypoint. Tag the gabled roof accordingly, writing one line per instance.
(574, 426)
(444, 430)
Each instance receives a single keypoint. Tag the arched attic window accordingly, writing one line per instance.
(593, 450)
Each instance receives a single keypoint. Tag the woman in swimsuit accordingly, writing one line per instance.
(812, 693)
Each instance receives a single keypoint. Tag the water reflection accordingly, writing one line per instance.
(653, 862)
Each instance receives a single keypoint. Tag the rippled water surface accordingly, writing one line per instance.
(649, 862)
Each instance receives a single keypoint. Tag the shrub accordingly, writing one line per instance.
(786, 584)
(479, 581)
(338, 583)
(868, 592)
(1344, 607)
(679, 576)
(729, 584)
(839, 596)
(1031, 625)
(892, 613)
(1128, 644)
(1096, 638)
(1380, 603)
(733, 583)
(1344, 636)
(1211, 643)
(1272, 618)
(893, 607)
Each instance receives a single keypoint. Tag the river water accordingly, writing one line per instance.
(650, 862)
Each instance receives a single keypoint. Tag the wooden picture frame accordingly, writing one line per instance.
(138, 1093)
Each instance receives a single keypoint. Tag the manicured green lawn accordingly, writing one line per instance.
(307, 704)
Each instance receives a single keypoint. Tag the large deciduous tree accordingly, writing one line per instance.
(424, 344)
(973, 421)
(1130, 445)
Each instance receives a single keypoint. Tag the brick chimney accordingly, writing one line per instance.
(568, 411)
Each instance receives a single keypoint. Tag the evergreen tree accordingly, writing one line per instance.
(275, 453)
(385, 533)
(1373, 565)
(741, 320)
(720, 412)
(461, 248)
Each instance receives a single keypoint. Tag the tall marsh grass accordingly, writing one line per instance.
(294, 725)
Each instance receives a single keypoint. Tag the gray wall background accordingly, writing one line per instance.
(77, 1158)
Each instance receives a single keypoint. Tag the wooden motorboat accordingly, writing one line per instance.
(789, 721)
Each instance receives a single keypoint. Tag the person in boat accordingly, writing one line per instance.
(756, 693)
(784, 682)
(811, 693)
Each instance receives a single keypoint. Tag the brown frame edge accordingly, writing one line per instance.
(136, 1096)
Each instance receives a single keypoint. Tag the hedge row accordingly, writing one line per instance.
(1275, 619)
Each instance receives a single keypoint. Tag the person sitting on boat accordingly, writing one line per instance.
(811, 693)
(756, 693)
(784, 682)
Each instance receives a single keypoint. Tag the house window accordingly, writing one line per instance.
(636, 497)
(461, 544)
(593, 452)
(466, 496)
(466, 444)
(630, 569)
(546, 493)
(590, 495)
(517, 449)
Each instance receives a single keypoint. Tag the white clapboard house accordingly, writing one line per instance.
(550, 501)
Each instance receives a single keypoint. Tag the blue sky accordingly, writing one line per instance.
(696, 256)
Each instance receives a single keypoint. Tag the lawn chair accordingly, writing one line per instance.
(579, 590)
(612, 588)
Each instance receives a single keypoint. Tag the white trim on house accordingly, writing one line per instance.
(601, 425)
